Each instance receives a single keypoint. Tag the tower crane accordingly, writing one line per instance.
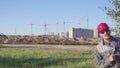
(57, 26)
(84, 20)
(64, 23)
(31, 26)
(45, 27)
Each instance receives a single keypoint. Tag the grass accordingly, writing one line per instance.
(36, 58)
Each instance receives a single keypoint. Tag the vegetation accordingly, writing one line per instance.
(79, 41)
(36, 58)
(66, 42)
(114, 13)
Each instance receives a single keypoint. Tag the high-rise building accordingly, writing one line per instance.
(80, 32)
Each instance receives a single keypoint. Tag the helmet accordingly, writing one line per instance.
(102, 26)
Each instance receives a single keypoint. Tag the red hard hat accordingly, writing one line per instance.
(102, 26)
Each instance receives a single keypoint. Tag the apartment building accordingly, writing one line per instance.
(80, 32)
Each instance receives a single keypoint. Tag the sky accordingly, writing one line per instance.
(16, 16)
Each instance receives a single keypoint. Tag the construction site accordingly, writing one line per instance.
(72, 36)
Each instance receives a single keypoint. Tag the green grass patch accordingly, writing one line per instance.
(36, 58)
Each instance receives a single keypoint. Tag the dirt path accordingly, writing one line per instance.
(52, 47)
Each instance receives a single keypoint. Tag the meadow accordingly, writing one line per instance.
(41, 58)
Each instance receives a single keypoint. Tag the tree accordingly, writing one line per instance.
(114, 13)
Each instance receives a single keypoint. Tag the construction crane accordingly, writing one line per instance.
(45, 27)
(15, 31)
(87, 22)
(31, 26)
(57, 27)
(80, 22)
(84, 20)
(64, 27)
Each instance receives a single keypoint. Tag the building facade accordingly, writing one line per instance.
(96, 34)
(64, 35)
(80, 32)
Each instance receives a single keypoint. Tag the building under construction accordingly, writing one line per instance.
(80, 32)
